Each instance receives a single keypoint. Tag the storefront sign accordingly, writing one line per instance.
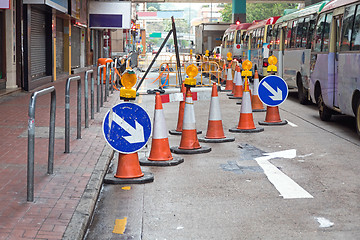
(4, 4)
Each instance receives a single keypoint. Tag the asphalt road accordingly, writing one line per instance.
(233, 191)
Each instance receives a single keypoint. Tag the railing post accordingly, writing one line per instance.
(31, 138)
(98, 90)
(86, 93)
(113, 75)
(107, 81)
(67, 111)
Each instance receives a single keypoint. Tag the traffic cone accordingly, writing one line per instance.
(256, 104)
(234, 82)
(273, 117)
(229, 79)
(189, 143)
(178, 129)
(238, 90)
(215, 131)
(160, 154)
(246, 121)
(128, 171)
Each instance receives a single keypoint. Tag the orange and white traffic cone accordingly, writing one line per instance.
(246, 121)
(229, 79)
(178, 129)
(238, 91)
(256, 103)
(160, 154)
(128, 171)
(189, 143)
(215, 131)
(273, 117)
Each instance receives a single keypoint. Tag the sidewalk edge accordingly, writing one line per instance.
(83, 212)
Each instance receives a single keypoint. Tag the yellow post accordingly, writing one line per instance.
(67, 46)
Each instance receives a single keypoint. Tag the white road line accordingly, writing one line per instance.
(292, 124)
(287, 187)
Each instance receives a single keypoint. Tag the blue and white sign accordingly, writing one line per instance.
(273, 90)
(127, 127)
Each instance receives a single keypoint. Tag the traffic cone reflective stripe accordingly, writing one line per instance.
(256, 103)
(189, 138)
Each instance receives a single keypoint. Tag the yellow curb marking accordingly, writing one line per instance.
(126, 188)
(120, 225)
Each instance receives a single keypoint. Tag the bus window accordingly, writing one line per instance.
(288, 35)
(347, 28)
(253, 39)
(238, 37)
(355, 38)
(326, 36)
(276, 37)
(261, 37)
(310, 33)
(305, 30)
(319, 33)
(293, 34)
(299, 33)
(269, 33)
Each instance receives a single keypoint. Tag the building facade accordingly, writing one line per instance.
(44, 40)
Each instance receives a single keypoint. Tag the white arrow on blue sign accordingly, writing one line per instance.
(126, 127)
(273, 90)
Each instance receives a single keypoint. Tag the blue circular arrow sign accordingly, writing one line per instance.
(273, 90)
(126, 127)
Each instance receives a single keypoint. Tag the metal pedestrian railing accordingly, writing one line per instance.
(67, 111)
(31, 138)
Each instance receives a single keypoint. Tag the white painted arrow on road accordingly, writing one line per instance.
(287, 187)
(136, 134)
(277, 95)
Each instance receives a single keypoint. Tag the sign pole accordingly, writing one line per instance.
(176, 51)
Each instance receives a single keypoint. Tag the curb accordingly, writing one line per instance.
(82, 216)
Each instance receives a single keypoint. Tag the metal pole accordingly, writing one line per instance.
(154, 59)
(101, 86)
(79, 109)
(176, 51)
(31, 138)
(113, 75)
(52, 132)
(92, 94)
(107, 81)
(67, 111)
(86, 97)
(98, 89)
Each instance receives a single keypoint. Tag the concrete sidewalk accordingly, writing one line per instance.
(63, 201)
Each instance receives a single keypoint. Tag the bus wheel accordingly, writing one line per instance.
(358, 117)
(324, 112)
(302, 93)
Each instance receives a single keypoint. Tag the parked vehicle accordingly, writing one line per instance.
(208, 36)
(233, 41)
(291, 44)
(335, 60)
